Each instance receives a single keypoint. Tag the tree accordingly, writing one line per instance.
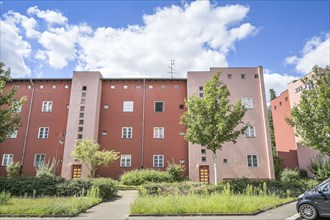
(211, 121)
(87, 151)
(276, 159)
(9, 115)
(311, 117)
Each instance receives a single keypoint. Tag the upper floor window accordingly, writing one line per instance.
(128, 106)
(17, 106)
(243, 76)
(250, 131)
(176, 86)
(125, 86)
(66, 86)
(127, 132)
(43, 132)
(28, 87)
(256, 76)
(53, 86)
(229, 76)
(138, 86)
(151, 86)
(47, 106)
(159, 106)
(247, 103)
(298, 89)
(12, 134)
(84, 88)
(41, 86)
(158, 161)
(125, 160)
(163, 86)
(201, 88)
(158, 132)
(39, 160)
(7, 159)
(252, 160)
(112, 87)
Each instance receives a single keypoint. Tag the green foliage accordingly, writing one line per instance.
(46, 170)
(289, 175)
(303, 174)
(320, 167)
(311, 116)
(87, 151)
(9, 117)
(4, 198)
(13, 169)
(138, 177)
(175, 170)
(212, 121)
(106, 187)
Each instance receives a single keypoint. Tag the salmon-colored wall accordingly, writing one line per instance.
(56, 121)
(286, 146)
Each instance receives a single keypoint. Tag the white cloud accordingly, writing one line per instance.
(315, 52)
(52, 17)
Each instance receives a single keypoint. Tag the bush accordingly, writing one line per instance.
(105, 186)
(303, 174)
(138, 177)
(46, 170)
(288, 175)
(4, 198)
(176, 171)
(320, 167)
(13, 169)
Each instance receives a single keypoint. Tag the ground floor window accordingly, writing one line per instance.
(125, 160)
(158, 160)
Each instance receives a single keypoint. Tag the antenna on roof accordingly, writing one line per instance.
(171, 68)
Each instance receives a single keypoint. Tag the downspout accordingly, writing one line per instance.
(143, 116)
(27, 127)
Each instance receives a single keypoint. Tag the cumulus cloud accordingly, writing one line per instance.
(51, 16)
(315, 52)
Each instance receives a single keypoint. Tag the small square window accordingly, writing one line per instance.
(81, 122)
(275, 107)
(182, 161)
(80, 129)
(79, 136)
(242, 76)
(41, 86)
(105, 106)
(112, 87)
(104, 133)
(128, 106)
(125, 86)
(286, 99)
(229, 76)
(47, 106)
(201, 88)
(82, 108)
(53, 86)
(28, 87)
(256, 76)
(203, 151)
(176, 87)
(81, 115)
(83, 94)
(67, 106)
(280, 103)
(84, 88)
(138, 87)
(225, 160)
(159, 106)
(82, 101)
(151, 86)
(66, 86)
(201, 95)
(163, 87)
(181, 106)
(203, 159)
(181, 133)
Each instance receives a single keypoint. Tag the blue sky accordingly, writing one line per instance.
(139, 38)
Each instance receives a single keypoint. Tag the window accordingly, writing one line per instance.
(247, 103)
(104, 133)
(84, 88)
(125, 86)
(105, 106)
(82, 108)
(41, 86)
(201, 88)
(203, 159)
(80, 129)
(66, 86)
(163, 87)
(125, 160)
(203, 151)
(159, 106)
(67, 106)
(229, 76)
(201, 95)
(181, 133)
(81, 115)
(182, 161)
(280, 103)
(158, 161)
(39, 160)
(252, 160)
(81, 122)
(298, 89)
(19, 106)
(83, 94)
(286, 99)
(176, 87)
(43, 133)
(128, 106)
(126, 132)
(158, 132)
(275, 107)
(28, 87)
(151, 86)
(256, 76)
(83, 101)
(181, 106)
(53, 86)
(12, 134)
(138, 87)
(250, 131)
(242, 76)
(79, 136)
(112, 87)
(7, 159)
(225, 160)
(47, 106)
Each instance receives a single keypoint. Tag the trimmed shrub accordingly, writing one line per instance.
(106, 187)
(138, 177)
(4, 198)
(176, 171)
(13, 169)
(320, 167)
(288, 175)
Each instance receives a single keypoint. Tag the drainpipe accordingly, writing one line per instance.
(27, 127)
(143, 116)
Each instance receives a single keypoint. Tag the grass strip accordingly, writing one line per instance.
(205, 204)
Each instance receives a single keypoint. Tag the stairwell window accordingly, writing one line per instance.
(250, 131)
(158, 132)
(47, 106)
(39, 160)
(125, 160)
(7, 159)
(158, 160)
(128, 106)
(252, 160)
(127, 132)
(247, 103)
(159, 106)
(43, 132)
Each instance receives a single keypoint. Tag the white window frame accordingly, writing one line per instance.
(128, 106)
(19, 108)
(12, 134)
(41, 161)
(43, 132)
(250, 131)
(7, 159)
(247, 102)
(158, 161)
(125, 160)
(159, 133)
(127, 132)
(159, 102)
(47, 106)
(252, 160)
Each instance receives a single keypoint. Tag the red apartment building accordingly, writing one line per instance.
(139, 118)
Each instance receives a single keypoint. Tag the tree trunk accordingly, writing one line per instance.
(215, 168)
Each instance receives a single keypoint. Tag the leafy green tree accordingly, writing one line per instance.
(212, 121)
(311, 117)
(9, 116)
(87, 151)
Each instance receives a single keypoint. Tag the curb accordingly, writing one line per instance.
(294, 217)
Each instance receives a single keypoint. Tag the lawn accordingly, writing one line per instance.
(49, 206)
(198, 204)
